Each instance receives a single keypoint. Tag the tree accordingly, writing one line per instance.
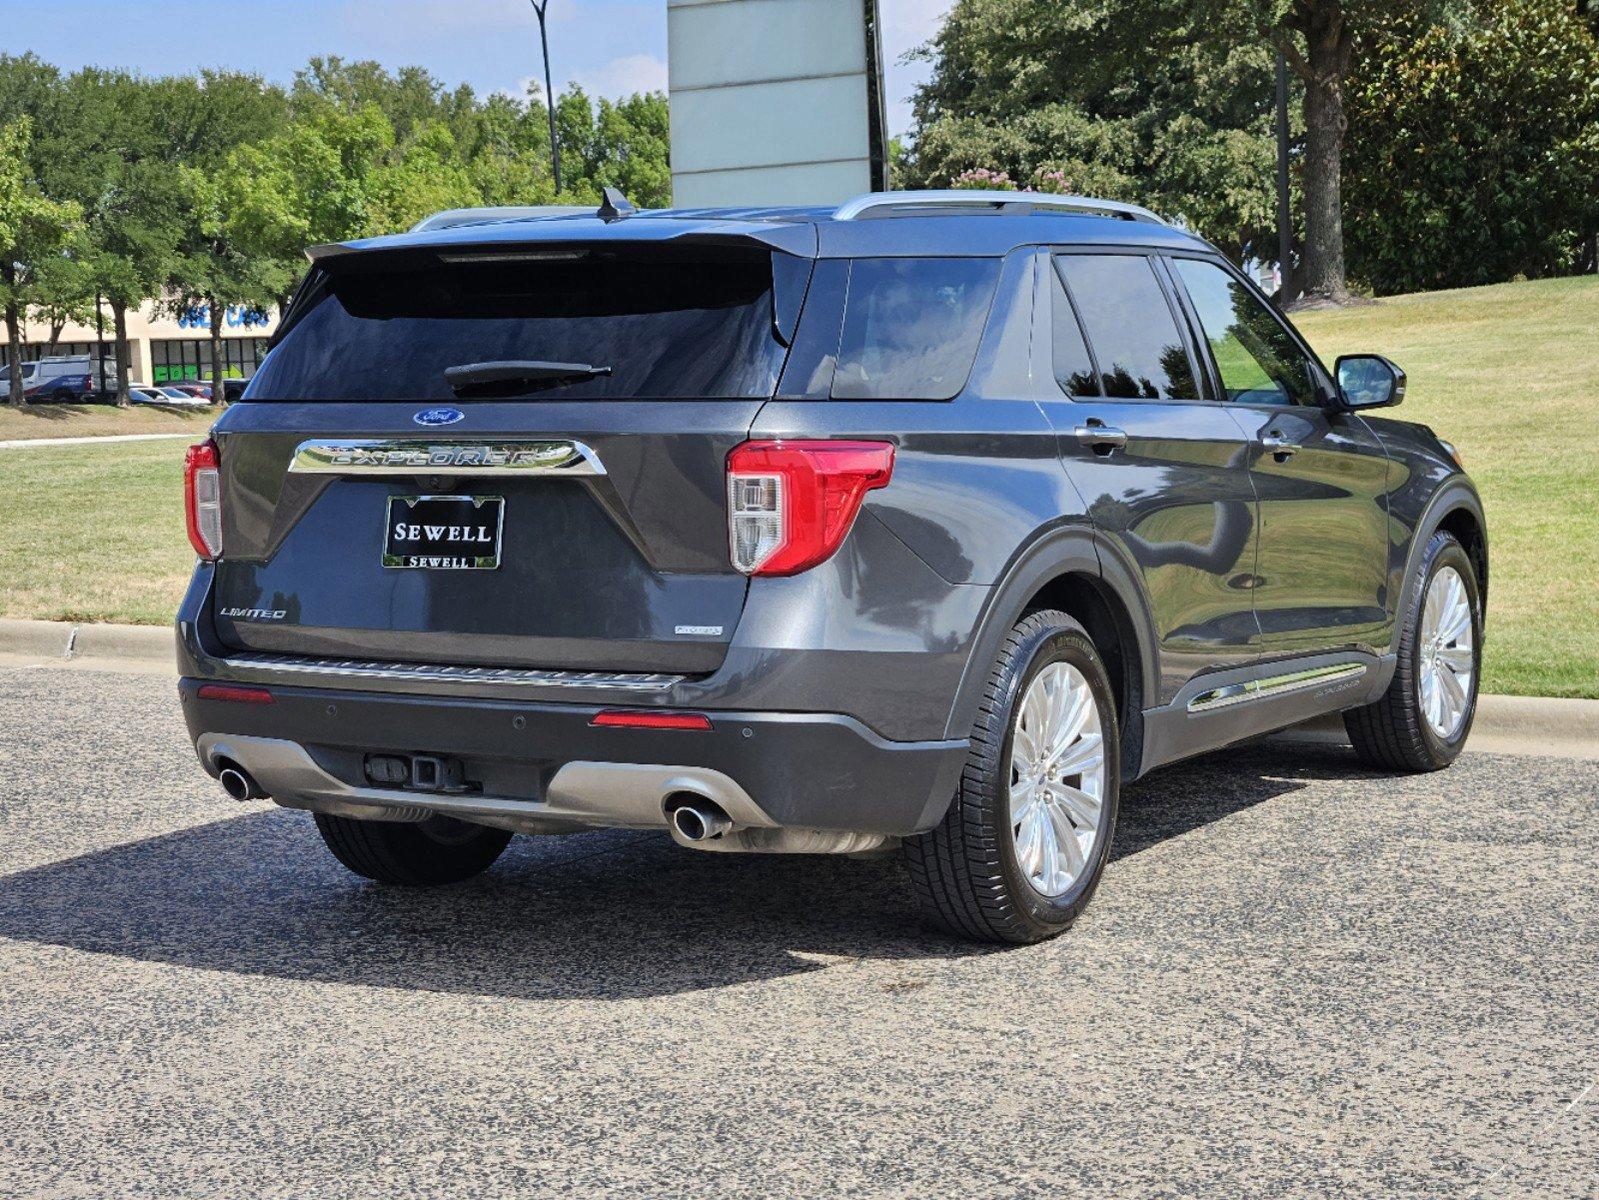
(1475, 147)
(1121, 100)
(33, 230)
(1164, 101)
(211, 270)
(112, 152)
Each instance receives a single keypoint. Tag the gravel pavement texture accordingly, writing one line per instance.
(1299, 978)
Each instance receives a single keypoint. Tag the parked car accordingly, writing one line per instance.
(182, 396)
(233, 389)
(190, 387)
(927, 522)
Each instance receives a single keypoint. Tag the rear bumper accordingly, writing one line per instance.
(542, 765)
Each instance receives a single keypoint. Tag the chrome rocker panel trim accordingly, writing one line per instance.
(1274, 685)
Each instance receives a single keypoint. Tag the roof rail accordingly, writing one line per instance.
(991, 201)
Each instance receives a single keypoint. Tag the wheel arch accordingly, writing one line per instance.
(1065, 570)
(1455, 509)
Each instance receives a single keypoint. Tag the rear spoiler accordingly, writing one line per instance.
(557, 234)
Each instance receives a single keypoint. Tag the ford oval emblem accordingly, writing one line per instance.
(439, 416)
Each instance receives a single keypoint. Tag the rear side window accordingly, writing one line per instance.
(667, 325)
(1257, 360)
(911, 326)
(1141, 354)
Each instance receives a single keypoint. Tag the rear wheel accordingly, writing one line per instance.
(412, 853)
(1021, 849)
(1422, 720)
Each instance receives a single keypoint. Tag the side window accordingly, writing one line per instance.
(1130, 325)
(1258, 362)
(1074, 368)
(911, 326)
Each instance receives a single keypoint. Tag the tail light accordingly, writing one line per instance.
(790, 504)
(625, 718)
(202, 499)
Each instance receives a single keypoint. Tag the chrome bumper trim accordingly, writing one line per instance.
(353, 668)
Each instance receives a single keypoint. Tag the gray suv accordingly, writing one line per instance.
(926, 522)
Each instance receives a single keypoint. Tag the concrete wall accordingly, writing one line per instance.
(772, 101)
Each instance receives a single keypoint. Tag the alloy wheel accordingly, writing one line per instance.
(1057, 778)
(1447, 653)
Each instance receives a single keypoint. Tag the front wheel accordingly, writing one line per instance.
(412, 853)
(1020, 851)
(1422, 720)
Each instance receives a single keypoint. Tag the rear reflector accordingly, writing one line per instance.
(235, 695)
(791, 504)
(202, 499)
(621, 718)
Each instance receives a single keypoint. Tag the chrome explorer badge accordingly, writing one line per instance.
(439, 416)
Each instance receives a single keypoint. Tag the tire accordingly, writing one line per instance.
(1394, 733)
(63, 398)
(413, 854)
(969, 872)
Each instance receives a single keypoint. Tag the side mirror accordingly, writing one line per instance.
(1368, 381)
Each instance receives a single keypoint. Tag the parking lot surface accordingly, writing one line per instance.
(1299, 978)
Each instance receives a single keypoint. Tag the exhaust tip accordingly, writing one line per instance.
(699, 820)
(238, 785)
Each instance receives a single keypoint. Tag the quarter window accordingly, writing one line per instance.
(1256, 358)
(1130, 325)
(911, 326)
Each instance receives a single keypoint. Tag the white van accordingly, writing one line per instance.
(66, 367)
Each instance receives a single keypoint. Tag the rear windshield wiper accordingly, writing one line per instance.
(514, 377)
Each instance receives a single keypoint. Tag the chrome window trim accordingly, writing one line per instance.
(1274, 685)
(429, 456)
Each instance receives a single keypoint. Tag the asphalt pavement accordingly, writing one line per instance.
(1299, 978)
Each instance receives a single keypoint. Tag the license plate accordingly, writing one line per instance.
(444, 533)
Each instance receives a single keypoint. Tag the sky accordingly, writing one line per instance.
(611, 47)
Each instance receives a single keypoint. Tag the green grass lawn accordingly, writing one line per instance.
(1510, 374)
(32, 421)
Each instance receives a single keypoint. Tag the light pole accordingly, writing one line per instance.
(1285, 232)
(539, 7)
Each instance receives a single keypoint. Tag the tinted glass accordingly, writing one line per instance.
(1130, 325)
(911, 326)
(1074, 369)
(1258, 361)
(668, 327)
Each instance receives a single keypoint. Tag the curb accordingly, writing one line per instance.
(1548, 725)
(68, 642)
(1513, 724)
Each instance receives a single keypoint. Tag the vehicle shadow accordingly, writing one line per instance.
(611, 914)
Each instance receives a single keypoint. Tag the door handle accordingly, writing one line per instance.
(1279, 447)
(1101, 436)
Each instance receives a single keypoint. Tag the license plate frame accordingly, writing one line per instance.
(410, 543)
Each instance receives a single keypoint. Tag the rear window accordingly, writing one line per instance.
(1130, 326)
(667, 325)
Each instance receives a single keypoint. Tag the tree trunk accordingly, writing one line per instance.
(119, 325)
(8, 274)
(218, 311)
(1328, 46)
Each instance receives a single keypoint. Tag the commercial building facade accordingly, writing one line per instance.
(163, 346)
